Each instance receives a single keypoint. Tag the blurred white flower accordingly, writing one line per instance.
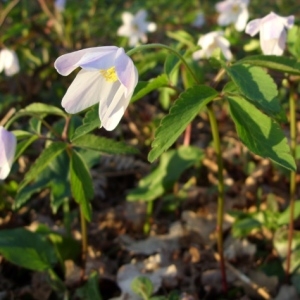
(9, 62)
(8, 144)
(199, 20)
(210, 42)
(135, 27)
(60, 5)
(233, 12)
(272, 30)
(108, 77)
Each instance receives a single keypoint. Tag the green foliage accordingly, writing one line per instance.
(81, 184)
(43, 160)
(90, 291)
(162, 178)
(27, 249)
(260, 133)
(90, 122)
(145, 87)
(101, 144)
(184, 110)
(142, 286)
(278, 63)
(257, 86)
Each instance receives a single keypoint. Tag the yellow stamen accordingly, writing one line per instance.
(110, 74)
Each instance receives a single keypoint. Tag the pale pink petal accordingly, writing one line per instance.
(98, 60)
(225, 19)
(126, 71)
(66, 63)
(223, 6)
(253, 27)
(8, 144)
(289, 22)
(83, 92)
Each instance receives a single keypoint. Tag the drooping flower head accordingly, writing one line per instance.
(272, 30)
(233, 12)
(9, 62)
(108, 77)
(8, 144)
(210, 42)
(135, 27)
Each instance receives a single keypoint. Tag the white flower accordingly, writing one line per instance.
(8, 144)
(136, 27)
(108, 77)
(199, 20)
(60, 5)
(272, 30)
(233, 12)
(9, 62)
(210, 42)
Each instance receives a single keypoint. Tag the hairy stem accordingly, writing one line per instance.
(293, 130)
(220, 213)
(84, 243)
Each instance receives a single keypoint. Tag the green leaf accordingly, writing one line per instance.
(293, 41)
(90, 291)
(43, 160)
(93, 142)
(160, 180)
(284, 217)
(81, 184)
(184, 110)
(257, 86)
(171, 65)
(23, 145)
(279, 63)
(142, 286)
(242, 228)
(182, 37)
(260, 133)
(26, 249)
(43, 109)
(91, 121)
(143, 88)
(21, 134)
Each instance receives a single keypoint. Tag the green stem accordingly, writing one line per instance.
(220, 213)
(149, 213)
(84, 243)
(293, 130)
(157, 45)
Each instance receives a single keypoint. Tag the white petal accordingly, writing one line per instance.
(98, 61)
(133, 40)
(253, 27)
(126, 71)
(224, 48)
(198, 54)
(242, 19)
(151, 27)
(83, 92)
(140, 16)
(7, 151)
(125, 30)
(66, 63)
(9, 62)
(127, 18)
(112, 106)
(223, 6)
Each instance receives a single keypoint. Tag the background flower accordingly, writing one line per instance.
(233, 12)
(8, 144)
(210, 42)
(108, 77)
(9, 62)
(199, 20)
(135, 27)
(272, 30)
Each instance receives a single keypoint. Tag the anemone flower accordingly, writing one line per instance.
(210, 42)
(272, 30)
(9, 62)
(135, 27)
(233, 12)
(108, 77)
(8, 144)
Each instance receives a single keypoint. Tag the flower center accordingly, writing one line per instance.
(110, 74)
(235, 8)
